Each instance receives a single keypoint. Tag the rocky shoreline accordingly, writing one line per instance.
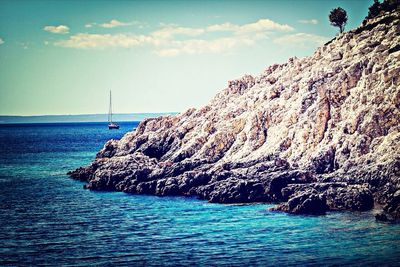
(315, 134)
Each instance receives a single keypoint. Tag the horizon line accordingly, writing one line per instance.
(85, 114)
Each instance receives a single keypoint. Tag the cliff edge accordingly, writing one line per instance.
(314, 134)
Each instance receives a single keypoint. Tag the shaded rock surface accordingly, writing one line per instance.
(319, 133)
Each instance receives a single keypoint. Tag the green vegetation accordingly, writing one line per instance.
(376, 8)
(338, 18)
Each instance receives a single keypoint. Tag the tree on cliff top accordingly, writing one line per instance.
(374, 9)
(377, 8)
(338, 18)
(390, 5)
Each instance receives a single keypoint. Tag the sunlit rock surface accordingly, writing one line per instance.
(314, 134)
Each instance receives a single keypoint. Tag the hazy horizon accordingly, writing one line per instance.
(101, 117)
(63, 57)
(80, 114)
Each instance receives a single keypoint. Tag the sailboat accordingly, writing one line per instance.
(111, 124)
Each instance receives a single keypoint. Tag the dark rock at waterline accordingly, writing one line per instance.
(391, 211)
(351, 197)
(310, 202)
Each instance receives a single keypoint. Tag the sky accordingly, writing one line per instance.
(63, 57)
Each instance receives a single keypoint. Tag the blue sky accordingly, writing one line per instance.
(62, 57)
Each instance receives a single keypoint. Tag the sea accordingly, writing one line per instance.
(48, 219)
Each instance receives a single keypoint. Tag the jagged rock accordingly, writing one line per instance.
(337, 56)
(320, 132)
(350, 197)
(309, 202)
(391, 211)
(323, 162)
(336, 196)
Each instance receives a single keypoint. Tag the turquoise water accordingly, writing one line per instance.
(48, 219)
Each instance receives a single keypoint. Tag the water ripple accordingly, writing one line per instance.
(47, 219)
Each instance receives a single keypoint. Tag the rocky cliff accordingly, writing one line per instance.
(318, 133)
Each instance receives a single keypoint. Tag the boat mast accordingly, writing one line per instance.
(110, 111)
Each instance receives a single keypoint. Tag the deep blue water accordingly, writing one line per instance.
(48, 219)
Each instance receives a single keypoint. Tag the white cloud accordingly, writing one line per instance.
(199, 47)
(169, 31)
(222, 27)
(172, 39)
(309, 21)
(1, 41)
(62, 29)
(301, 38)
(101, 41)
(264, 25)
(196, 46)
(162, 46)
(259, 26)
(115, 23)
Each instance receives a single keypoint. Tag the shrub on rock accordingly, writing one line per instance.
(338, 18)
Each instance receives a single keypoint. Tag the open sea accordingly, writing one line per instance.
(46, 218)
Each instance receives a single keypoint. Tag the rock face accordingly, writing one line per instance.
(319, 133)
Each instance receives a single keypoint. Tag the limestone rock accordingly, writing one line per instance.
(321, 132)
